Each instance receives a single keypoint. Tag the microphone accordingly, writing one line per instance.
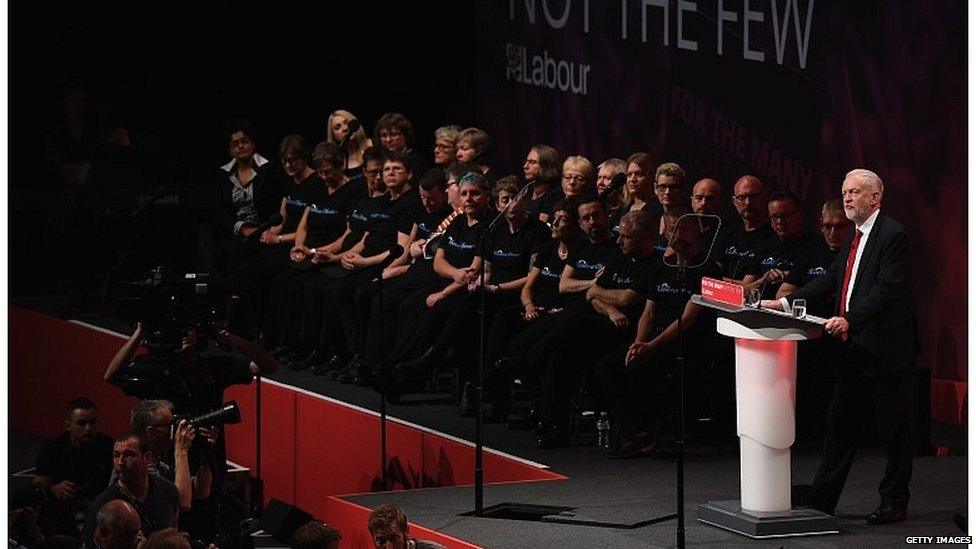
(275, 219)
(353, 125)
(616, 183)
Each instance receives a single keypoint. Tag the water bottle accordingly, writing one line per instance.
(603, 431)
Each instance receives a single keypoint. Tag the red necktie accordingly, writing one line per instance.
(851, 256)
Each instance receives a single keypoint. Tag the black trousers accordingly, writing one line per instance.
(341, 329)
(256, 275)
(577, 342)
(635, 396)
(462, 331)
(891, 396)
(816, 372)
(313, 301)
(282, 324)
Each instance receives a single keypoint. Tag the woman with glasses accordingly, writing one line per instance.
(445, 145)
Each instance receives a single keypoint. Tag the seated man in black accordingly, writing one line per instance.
(589, 330)
(73, 468)
(247, 193)
(776, 258)
(117, 526)
(156, 499)
(633, 376)
(750, 197)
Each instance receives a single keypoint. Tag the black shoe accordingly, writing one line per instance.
(633, 446)
(554, 437)
(887, 513)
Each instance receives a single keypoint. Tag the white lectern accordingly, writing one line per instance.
(765, 390)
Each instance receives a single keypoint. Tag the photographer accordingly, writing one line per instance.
(72, 468)
(196, 375)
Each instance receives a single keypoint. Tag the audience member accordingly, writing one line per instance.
(351, 146)
(156, 500)
(473, 147)
(167, 538)
(751, 199)
(315, 535)
(72, 468)
(640, 190)
(395, 132)
(776, 257)
(445, 145)
(605, 172)
(542, 168)
(388, 526)
(117, 526)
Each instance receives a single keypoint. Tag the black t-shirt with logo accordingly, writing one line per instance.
(670, 294)
(364, 211)
(586, 261)
(510, 253)
(396, 216)
(427, 222)
(545, 291)
(809, 266)
(779, 254)
(629, 273)
(296, 199)
(460, 241)
(740, 249)
(327, 213)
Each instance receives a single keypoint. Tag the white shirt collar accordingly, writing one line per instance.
(258, 161)
(865, 227)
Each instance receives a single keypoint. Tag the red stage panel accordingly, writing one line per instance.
(53, 361)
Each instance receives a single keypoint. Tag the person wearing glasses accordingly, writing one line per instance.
(669, 188)
(445, 145)
(640, 189)
(750, 197)
(395, 133)
(777, 257)
(707, 199)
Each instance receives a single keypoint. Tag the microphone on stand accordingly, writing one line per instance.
(354, 125)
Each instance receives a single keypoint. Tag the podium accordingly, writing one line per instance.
(765, 390)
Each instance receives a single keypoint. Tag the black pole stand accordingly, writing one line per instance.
(257, 499)
(395, 251)
(479, 472)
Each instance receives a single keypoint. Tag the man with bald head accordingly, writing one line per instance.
(706, 199)
(874, 321)
(750, 198)
(117, 526)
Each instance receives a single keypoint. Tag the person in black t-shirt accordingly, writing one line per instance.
(72, 468)
(776, 258)
(323, 226)
(542, 169)
(473, 147)
(516, 328)
(306, 351)
(633, 375)
(384, 306)
(277, 241)
(457, 265)
(750, 198)
(608, 318)
(387, 243)
(508, 250)
(707, 199)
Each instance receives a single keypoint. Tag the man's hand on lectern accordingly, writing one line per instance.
(774, 304)
(837, 326)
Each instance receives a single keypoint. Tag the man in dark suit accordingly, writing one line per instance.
(874, 321)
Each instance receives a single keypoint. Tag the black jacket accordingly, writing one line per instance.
(881, 314)
(268, 183)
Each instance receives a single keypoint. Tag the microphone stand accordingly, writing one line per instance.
(258, 500)
(479, 480)
(395, 251)
(682, 266)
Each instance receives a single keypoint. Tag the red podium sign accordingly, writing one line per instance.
(719, 291)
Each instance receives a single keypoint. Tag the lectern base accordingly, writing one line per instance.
(798, 522)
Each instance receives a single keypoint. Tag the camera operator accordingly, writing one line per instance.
(199, 376)
(72, 468)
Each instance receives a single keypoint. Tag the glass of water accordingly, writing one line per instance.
(800, 308)
(752, 298)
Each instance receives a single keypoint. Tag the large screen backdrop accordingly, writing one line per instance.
(795, 91)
